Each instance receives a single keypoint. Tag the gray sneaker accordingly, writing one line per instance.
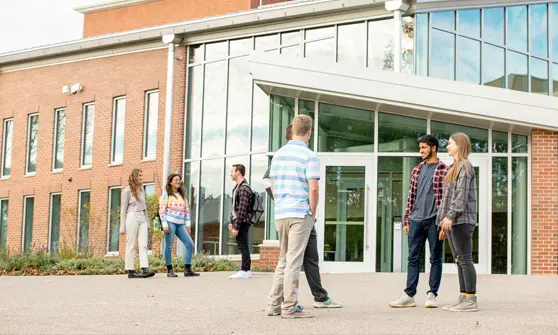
(459, 301)
(404, 301)
(469, 305)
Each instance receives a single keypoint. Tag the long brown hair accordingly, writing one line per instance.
(134, 183)
(463, 150)
(169, 189)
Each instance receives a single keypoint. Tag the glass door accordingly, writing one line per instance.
(344, 209)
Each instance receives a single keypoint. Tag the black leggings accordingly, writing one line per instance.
(460, 238)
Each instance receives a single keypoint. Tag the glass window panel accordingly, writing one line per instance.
(539, 76)
(241, 47)
(196, 53)
(323, 49)
(290, 38)
(119, 118)
(260, 120)
(493, 30)
(520, 143)
(271, 233)
(195, 107)
(151, 122)
(499, 215)
(293, 51)
(317, 33)
(3, 224)
(443, 131)
(191, 181)
(351, 44)
(408, 45)
(380, 44)
(211, 191)
(345, 129)
(214, 51)
(306, 107)
(83, 229)
(394, 177)
(239, 107)
(229, 246)
(442, 62)
(282, 114)
(499, 141)
(555, 80)
(87, 137)
(468, 60)
(7, 150)
(214, 104)
(493, 66)
(517, 72)
(469, 22)
(149, 189)
(519, 215)
(517, 28)
(538, 20)
(28, 224)
(55, 210)
(443, 20)
(256, 234)
(59, 135)
(422, 44)
(399, 133)
(554, 30)
(32, 143)
(114, 219)
(267, 42)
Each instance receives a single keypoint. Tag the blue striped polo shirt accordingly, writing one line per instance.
(291, 168)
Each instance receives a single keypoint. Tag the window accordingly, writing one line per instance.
(59, 134)
(150, 128)
(32, 142)
(114, 219)
(7, 138)
(83, 224)
(149, 191)
(3, 224)
(55, 210)
(345, 129)
(87, 135)
(28, 209)
(118, 120)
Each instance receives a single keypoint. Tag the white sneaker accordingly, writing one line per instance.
(430, 300)
(404, 301)
(241, 275)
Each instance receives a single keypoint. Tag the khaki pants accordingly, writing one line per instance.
(293, 238)
(136, 226)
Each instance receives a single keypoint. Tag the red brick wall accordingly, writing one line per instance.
(40, 90)
(269, 256)
(544, 221)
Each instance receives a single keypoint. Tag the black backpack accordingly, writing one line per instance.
(256, 206)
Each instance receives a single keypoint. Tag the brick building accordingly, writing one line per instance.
(375, 76)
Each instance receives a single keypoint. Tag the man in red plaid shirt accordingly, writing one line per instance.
(425, 196)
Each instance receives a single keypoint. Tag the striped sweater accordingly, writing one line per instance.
(174, 209)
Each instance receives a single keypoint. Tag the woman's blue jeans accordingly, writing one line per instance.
(180, 231)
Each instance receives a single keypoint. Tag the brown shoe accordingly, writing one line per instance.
(297, 315)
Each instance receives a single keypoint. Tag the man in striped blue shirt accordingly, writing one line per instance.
(294, 175)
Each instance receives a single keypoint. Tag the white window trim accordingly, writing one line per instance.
(2, 175)
(145, 156)
(50, 218)
(27, 173)
(24, 217)
(114, 162)
(111, 253)
(83, 139)
(54, 148)
(79, 214)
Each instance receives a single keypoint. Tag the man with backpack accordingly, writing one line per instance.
(240, 220)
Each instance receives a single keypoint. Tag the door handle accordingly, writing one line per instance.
(366, 216)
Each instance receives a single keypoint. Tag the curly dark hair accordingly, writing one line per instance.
(169, 189)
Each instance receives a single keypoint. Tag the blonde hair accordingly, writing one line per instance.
(301, 125)
(463, 144)
(134, 183)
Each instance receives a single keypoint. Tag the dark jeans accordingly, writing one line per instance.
(242, 243)
(460, 238)
(312, 268)
(419, 232)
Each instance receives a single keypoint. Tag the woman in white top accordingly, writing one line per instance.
(133, 223)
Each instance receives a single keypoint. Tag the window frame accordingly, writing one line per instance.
(24, 219)
(145, 155)
(79, 216)
(28, 146)
(115, 112)
(2, 200)
(55, 147)
(117, 252)
(83, 139)
(4, 140)
(50, 218)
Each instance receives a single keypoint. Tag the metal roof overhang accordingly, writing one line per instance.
(404, 94)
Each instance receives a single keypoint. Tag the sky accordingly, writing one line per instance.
(31, 23)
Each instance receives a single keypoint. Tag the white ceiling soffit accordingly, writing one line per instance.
(402, 93)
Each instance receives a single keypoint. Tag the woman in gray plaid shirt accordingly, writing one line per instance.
(457, 217)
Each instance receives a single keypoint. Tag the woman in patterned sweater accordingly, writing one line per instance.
(175, 218)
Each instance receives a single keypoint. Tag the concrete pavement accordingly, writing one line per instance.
(214, 304)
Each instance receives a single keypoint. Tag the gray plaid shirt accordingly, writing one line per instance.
(459, 201)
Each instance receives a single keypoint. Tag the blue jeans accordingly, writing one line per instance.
(419, 232)
(180, 231)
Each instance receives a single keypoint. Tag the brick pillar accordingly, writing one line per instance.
(269, 255)
(544, 220)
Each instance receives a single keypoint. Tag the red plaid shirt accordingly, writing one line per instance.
(439, 175)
